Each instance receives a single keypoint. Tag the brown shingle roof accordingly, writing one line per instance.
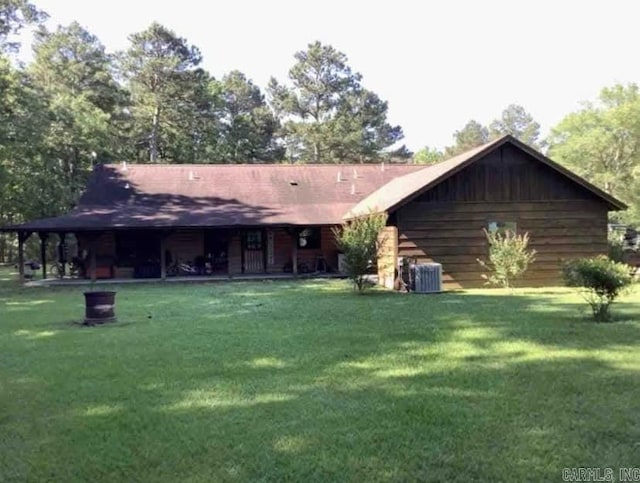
(181, 195)
(404, 188)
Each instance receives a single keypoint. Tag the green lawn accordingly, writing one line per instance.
(306, 381)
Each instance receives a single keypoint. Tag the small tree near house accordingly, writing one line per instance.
(601, 279)
(509, 257)
(359, 240)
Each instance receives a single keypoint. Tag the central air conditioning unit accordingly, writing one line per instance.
(426, 277)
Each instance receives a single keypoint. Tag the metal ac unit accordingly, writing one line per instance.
(427, 277)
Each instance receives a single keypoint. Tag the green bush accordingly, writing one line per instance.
(358, 240)
(601, 279)
(509, 257)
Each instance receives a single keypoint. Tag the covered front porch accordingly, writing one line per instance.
(64, 282)
(182, 254)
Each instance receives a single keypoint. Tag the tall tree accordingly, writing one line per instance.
(13, 149)
(602, 143)
(14, 15)
(473, 134)
(326, 113)
(169, 93)
(24, 120)
(72, 70)
(190, 125)
(515, 120)
(428, 155)
(247, 125)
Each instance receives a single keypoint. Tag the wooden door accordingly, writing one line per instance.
(254, 251)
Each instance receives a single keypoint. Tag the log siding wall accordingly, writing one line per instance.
(451, 234)
(282, 251)
(507, 174)
(185, 245)
(105, 243)
(283, 248)
(444, 224)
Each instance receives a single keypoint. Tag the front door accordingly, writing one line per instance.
(254, 251)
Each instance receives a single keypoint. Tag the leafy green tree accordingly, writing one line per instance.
(326, 114)
(359, 241)
(171, 105)
(428, 155)
(14, 16)
(602, 143)
(515, 120)
(247, 125)
(472, 135)
(23, 122)
(73, 71)
(72, 60)
(401, 154)
(509, 257)
(191, 127)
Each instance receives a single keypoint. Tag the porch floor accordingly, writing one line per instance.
(48, 282)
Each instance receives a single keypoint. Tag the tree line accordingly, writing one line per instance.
(600, 142)
(76, 104)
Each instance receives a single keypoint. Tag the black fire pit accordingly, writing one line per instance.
(99, 307)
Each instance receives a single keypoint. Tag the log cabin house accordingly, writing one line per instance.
(148, 220)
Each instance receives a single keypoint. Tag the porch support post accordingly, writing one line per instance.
(163, 254)
(242, 246)
(92, 260)
(294, 257)
(265, 242)
(22, 237)
(294, 250)
(62, 255)
(43, 252)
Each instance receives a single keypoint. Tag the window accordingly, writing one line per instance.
(501, 226)
(309, 238)
(253, 240)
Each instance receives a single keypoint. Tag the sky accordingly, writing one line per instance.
(438, 64)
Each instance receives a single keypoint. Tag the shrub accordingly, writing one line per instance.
(602, 280)
(359, 241)
(509, 257)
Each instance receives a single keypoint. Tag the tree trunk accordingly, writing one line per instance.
(153, 141)
(22, 237)
(9, 241)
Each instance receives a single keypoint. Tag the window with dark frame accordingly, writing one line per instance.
(502, 226)
(309, 238)
(253, 240)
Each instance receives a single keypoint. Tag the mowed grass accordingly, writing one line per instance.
(306, 381)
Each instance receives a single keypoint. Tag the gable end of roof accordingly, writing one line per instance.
(404, 189)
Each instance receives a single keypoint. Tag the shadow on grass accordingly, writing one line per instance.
(517, 420)
(257, 382)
